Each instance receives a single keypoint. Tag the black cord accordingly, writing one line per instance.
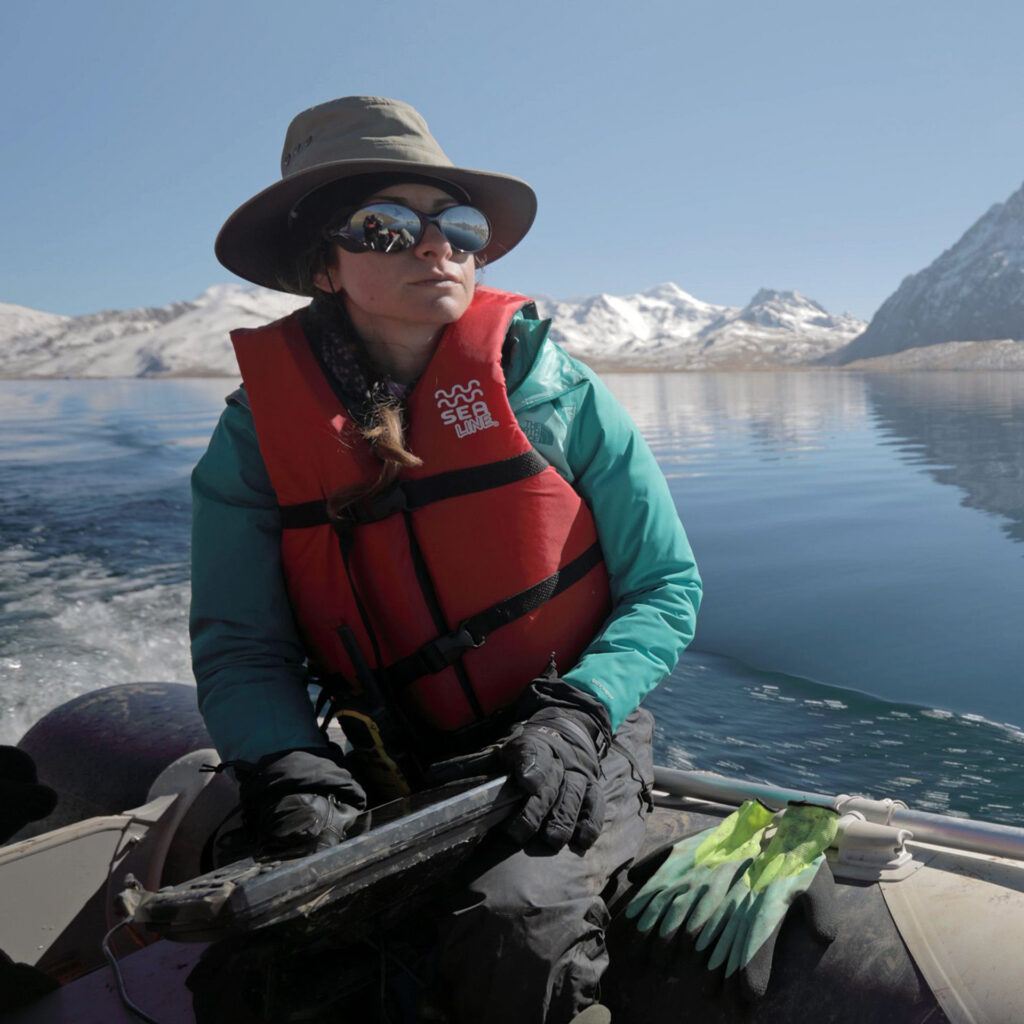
(115, 967)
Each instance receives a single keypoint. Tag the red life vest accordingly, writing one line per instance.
(458, 584)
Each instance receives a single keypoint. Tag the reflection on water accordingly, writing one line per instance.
(830, 541)
(782, 411)
(966, 429)
(836, 521)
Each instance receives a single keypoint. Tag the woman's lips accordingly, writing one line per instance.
(440, 279)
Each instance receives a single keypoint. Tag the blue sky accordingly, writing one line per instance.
(830, 148)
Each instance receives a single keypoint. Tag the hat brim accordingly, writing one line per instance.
(255, 244)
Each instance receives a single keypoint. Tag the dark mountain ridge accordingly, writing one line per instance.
(974, 291)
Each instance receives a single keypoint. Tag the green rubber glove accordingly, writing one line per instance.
(698, 873)
(748, 920)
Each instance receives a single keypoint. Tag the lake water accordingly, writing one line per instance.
(861, 540)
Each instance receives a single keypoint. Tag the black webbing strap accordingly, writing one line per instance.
(376, 702)
(308, 513)
(445, 650)
(414, 494)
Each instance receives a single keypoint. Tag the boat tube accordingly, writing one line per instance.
(931, 908)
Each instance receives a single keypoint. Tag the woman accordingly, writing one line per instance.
(421, 500)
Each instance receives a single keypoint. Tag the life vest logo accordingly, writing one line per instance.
(463, 408)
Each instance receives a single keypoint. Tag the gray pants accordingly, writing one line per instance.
(523, 939)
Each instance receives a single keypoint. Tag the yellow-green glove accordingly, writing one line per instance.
(746, 924)
(698, 873)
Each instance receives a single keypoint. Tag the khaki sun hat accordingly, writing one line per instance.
(338, 140)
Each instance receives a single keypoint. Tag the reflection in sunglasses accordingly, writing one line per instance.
(393, 228)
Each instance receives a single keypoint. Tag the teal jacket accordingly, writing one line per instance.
(247, 655)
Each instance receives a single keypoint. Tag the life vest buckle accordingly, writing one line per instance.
(380, 506)
(447, 649)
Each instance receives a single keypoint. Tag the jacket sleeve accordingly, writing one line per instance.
(247, 656)
(656, 588)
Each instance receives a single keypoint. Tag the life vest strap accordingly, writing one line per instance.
(447, 649)
(410, 495)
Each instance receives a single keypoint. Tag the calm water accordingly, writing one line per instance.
(861, 540)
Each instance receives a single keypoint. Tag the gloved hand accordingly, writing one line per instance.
(792, 867)
(298, 801)
(22, 797)
(555, 758)
(700, 870)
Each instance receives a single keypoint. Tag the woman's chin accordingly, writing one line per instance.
(439, 305)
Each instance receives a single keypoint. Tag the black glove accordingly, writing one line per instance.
(555, 757)
(22, 797)
(296, 802)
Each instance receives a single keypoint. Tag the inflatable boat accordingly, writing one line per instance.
(124, 904)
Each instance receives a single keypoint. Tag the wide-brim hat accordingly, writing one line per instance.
(344, 138)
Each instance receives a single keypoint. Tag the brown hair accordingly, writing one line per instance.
(383, 425)
(384, 432)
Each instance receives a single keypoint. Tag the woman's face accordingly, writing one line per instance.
(429, 284)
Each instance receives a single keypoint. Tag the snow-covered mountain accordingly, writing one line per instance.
(667, 328)
(974, 291)
(663, 327)
(19, 321)
(185, 339)
(658, 324)
(775, 329)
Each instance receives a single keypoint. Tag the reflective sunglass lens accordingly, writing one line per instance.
(465, 227)
(384, 227)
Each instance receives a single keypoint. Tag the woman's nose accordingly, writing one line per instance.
(434, 243)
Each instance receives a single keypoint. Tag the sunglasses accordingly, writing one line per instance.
(392, 227)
